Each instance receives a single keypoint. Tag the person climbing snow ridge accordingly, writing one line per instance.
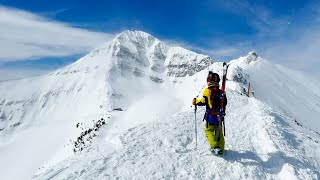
(215, 101)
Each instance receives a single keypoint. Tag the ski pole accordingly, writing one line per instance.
(224, 128)
(195, 123)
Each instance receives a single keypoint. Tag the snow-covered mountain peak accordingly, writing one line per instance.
(280, 87)
(134, 36)
(132, 41)
(135, 80)
(252, 57)
(141, 54)
(130, 61)
(238, 70)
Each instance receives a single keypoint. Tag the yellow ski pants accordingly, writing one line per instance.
(211, 133)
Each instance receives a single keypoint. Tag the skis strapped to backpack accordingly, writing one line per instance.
(221, 113)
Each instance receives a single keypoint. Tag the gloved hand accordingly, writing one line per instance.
(194, 101)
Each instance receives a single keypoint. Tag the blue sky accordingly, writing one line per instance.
(283, 31)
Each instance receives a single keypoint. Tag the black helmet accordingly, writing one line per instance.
(213, 77)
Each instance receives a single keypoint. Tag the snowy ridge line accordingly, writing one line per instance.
(282, 88)
(297, 123)
(153, 137)
(118, 74)
(260, 144)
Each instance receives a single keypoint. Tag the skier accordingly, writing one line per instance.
(212, 99)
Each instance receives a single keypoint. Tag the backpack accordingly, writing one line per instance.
(216, 99)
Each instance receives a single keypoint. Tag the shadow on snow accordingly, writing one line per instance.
(272, 165)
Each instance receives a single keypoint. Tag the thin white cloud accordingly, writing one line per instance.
(226, 51)
(292, 39)
(53, 13)
(26, 35)
(258, 17)
(17, 73)
(298, 47)
(219, 49)
(300, 52)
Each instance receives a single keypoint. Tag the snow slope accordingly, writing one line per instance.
(291, 92)
(261, 143)
(38, 116)
(143, 88)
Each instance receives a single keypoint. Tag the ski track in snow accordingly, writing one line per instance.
(260, 144)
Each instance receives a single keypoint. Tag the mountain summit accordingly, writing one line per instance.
(132, 54)
(123, 112)
(131, 66)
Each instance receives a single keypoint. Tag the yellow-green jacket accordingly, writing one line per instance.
(212, 99)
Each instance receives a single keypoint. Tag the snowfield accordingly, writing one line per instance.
(260, 144)
(142, 89)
